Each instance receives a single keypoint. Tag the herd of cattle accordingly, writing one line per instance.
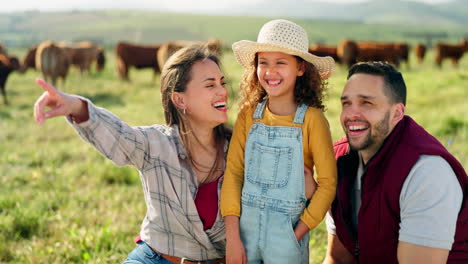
(53, 60)
(348, 52)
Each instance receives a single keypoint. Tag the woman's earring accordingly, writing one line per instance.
(184, 111)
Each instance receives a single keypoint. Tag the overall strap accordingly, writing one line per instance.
(300, 114)
(258, 114)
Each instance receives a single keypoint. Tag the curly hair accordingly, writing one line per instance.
(309, 89)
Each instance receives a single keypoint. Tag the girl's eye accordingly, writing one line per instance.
(262, 63)
(223, 83)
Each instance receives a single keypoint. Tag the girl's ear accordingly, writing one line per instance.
(178, 100)
(301, 68)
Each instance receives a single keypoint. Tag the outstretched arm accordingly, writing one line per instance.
(116, 140)
(61, 104)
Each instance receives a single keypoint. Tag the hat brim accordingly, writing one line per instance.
(245, 51)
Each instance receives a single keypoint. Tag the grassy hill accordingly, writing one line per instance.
(395, 12)
(24, 29)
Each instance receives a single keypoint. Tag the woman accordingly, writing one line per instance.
(180, 163)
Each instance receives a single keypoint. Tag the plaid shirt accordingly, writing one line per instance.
(172, 224)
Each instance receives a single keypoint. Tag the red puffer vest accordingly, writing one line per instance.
(376, 239)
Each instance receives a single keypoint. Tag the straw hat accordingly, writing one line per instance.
(282, 36)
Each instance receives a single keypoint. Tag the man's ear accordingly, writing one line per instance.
(178, 100)
(398, 113)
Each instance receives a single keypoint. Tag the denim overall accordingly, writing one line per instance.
(273, 196)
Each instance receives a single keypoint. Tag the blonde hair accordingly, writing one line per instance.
(309, 88)
(175, 76)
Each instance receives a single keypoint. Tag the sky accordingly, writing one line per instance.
(169, 5)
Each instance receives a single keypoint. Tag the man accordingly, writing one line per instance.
(401, 197)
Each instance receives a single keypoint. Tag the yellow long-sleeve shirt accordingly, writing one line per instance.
(318, 152)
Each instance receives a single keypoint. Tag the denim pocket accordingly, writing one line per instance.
(292, 235)
(268, 166)
(149, 252)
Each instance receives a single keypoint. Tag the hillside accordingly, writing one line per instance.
(398, 12)
(24, 29)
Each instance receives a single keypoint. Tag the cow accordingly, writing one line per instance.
(347, 50)
(324, 50)
(450, 51)
(100, 60)
(86, 52)
(53, 61)
(29, 60)
(82, 54)
(403, 50)
(420, 52)
(7, 65)
(351, 52)
(3, 50)
(138, 56)
(374, 51)
(169, 48)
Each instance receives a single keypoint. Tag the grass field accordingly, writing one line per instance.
(62, 202)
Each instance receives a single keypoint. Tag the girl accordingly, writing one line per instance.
(281, 127)
(180, 163)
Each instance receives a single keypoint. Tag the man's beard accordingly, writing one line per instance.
(381, 130)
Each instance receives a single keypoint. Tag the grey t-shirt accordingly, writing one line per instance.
(430, 201)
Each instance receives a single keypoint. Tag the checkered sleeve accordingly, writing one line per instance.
(115, 139)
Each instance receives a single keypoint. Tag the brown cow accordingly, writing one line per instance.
(403, 50)
(53, 61)
(374, 51)
(138, 56)
(351, 52)
(29, 60)
(100, 60)
(85, 53)
(450, 51)
(324, 50)
(3, 50)
(420, 52)
(347, 50)
(169, 48)
(82, 54)
(7, 65)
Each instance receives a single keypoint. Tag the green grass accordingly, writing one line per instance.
(62, 202)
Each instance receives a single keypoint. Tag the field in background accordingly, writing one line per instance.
(25, 29)
(62, 202)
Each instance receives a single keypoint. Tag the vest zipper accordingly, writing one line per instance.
(356, 246)
(356, 243)
(356, 252)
